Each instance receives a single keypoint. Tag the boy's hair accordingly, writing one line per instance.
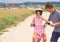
(49, 5)
(39, 11)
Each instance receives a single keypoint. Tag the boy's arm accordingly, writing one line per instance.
(57, 24)
(49, 23)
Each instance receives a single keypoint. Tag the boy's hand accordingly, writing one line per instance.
(53, 25)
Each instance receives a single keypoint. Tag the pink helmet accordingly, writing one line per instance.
(39, 9)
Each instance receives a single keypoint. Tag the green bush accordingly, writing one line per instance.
(7, 20)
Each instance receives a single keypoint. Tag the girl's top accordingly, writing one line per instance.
(38, 25)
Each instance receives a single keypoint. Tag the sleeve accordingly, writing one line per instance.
(59, 15)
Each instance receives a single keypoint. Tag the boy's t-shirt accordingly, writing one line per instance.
(55, 17)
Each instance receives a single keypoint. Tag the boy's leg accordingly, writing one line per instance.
(55, 36)
(35, 37)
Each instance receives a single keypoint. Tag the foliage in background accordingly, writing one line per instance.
(9, 17)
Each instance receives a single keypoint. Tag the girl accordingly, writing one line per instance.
(39, 27)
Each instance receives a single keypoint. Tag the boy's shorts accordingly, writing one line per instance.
(55, 36)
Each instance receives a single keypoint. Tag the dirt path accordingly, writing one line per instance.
(23, 32)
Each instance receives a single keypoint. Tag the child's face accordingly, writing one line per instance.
(38, 14)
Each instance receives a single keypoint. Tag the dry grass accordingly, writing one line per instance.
(9, 17)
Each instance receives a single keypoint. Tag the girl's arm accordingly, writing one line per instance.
(32, 22)
(45, 20)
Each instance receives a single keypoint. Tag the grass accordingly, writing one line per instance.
(6, 20)
(9, 17)
(57, 7)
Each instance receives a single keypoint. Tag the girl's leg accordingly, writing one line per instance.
(34, 37)
(44, 37)
(39, 38)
